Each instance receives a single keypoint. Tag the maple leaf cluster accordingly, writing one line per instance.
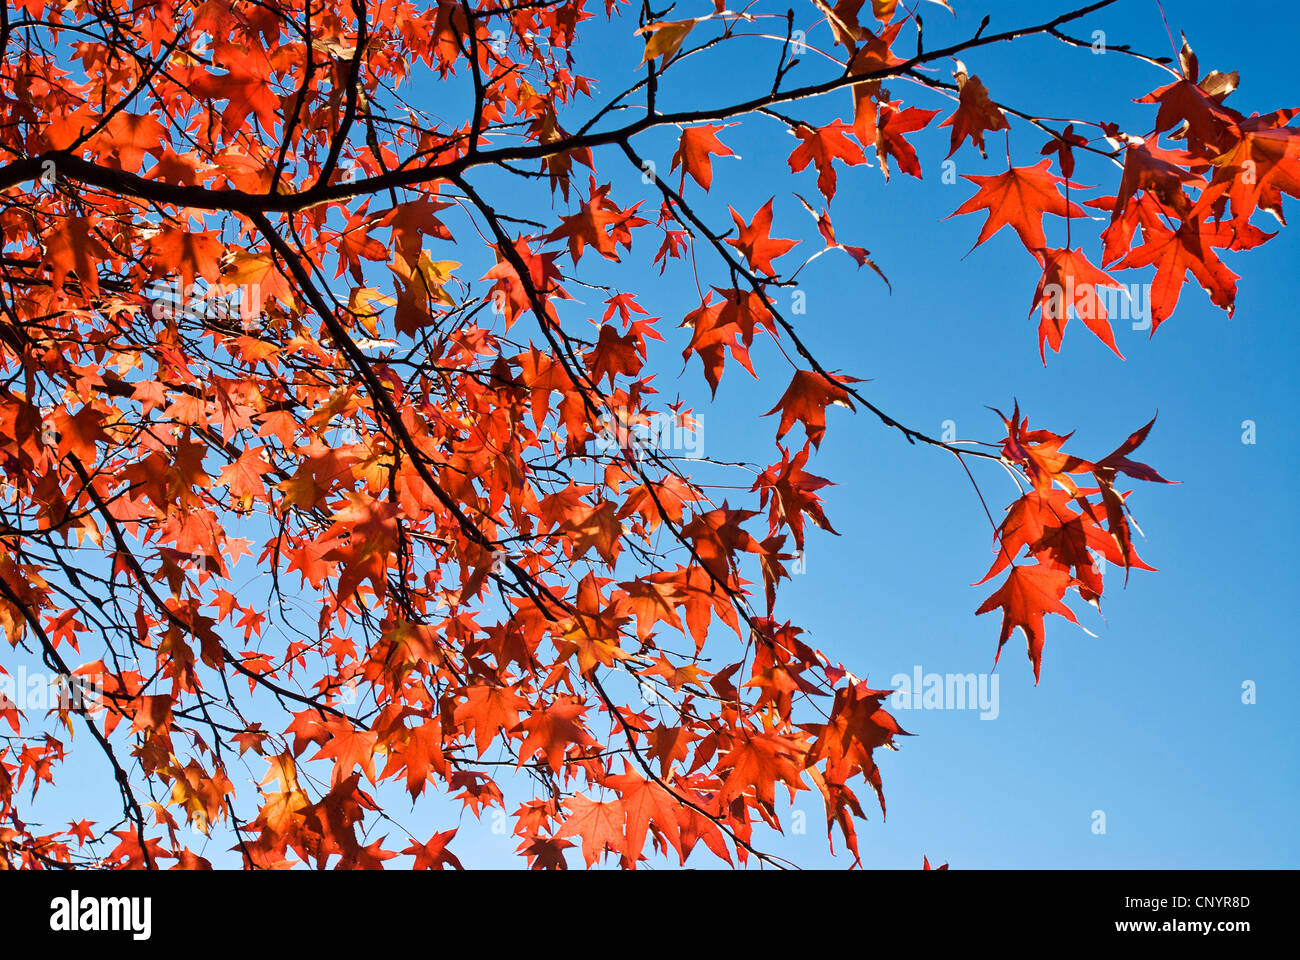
(1068, 545)
(265, 298)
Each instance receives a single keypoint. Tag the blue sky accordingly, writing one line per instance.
(1145, 721)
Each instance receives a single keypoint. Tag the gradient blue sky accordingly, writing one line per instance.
(1145, 721)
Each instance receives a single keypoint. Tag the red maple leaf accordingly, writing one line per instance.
(822, 145)
(599, 824)
(975, 115)
(1018, 199)
(891, 125)
(792, 492)
(806, 400)
(433, 853)
(1070, 282)
(694, 150)
(1175, 253)
(755, 241)
(1029, 593)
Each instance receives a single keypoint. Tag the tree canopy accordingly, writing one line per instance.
(273, 285)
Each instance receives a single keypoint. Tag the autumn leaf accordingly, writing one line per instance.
(821, 146)
(244, 476)
(433, 853)
(1205, 120)
(1063, 146)
(792, 491)
(592, 225)
(668, 745)
(694, 152)
(73, 248)
(891, 125)
(598, 527)
(132, 137)
(258, 278)
(860, 255)
(599, 824)
(664, 38)
(976, 114)
(349, 748)
(646, 806)
(1255, 172)
(1070, 282)
(650, 602)
(1028, 594)
(806, 400)
(755, 241)
(189, 253)
(1018, 198)
(755, 764)
(1176, 253)
(486, 710)
(1157, 172)
(615, 354)
(552, 731)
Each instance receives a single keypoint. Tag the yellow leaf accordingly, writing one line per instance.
(283, 770)
(665, 38)
(362, 303)
(436, 273)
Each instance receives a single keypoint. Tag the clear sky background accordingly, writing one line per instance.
(1145, 721)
